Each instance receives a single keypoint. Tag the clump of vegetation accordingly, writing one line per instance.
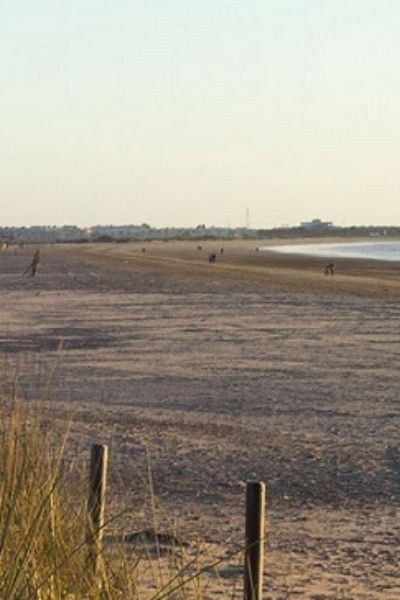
(41, 524)
(44, 529)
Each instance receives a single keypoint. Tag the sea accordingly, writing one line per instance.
(369, 250)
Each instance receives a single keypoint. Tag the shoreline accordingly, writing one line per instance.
(300, 249)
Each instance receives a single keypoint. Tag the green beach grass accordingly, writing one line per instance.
(44, 526)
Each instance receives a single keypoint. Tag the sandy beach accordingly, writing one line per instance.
(255, 367)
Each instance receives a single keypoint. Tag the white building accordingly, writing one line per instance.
(317, 225)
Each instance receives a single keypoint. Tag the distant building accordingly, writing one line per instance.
(316, 225)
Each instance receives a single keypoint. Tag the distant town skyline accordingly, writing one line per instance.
(242, 225)
(245, 223)
(129, 232)
(186, 112)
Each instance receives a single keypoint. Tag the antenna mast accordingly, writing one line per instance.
(247, 218)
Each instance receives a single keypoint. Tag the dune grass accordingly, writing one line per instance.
(44, 527)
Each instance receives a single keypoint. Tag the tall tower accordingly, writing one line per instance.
(247, 218)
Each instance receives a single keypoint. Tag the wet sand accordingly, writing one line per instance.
(256, 367)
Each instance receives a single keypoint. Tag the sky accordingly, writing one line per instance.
(183, 112)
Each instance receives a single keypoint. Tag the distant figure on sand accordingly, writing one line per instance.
(32, 268)
(199, 248)
(212, 258)
(221, 251)
(330, 269)
(143, 250)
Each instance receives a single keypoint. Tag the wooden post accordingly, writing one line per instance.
(96, 503)
(254, 551)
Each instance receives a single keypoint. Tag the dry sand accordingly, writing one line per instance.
(256, 367)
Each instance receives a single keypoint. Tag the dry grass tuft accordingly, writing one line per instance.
(44, 529)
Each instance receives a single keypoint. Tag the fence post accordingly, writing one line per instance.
(254, 537)
(96, 503)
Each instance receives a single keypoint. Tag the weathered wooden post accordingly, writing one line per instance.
(96, 503)
(254, 536)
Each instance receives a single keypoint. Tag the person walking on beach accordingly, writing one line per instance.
(330, 269)
(32, 268)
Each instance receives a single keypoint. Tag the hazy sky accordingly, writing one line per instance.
(179, 112)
